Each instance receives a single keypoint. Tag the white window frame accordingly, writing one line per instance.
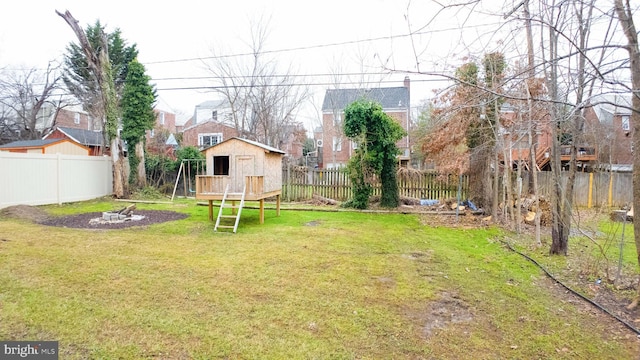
(76, 118)
(337, 119)
(201, 138)
(152, 132)
(625, 123)
(161, 116)
(337, 144)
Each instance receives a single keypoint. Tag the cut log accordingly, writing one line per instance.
(529, 217)
(317, 199)
(128, 211)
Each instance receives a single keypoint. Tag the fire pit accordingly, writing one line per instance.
(115, 217)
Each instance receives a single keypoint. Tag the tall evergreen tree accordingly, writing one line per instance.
(79, 78)
(98, 90)
(138, 97)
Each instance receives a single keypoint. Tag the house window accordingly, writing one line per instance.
(337, 144)
(206, 140)
(152, 132)
(337, 119)
(625, 122)
(354, 145)
(161, 115)
(76, 118)
(220, 165)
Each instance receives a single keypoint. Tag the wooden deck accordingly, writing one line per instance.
(584, 153)
(212, 187)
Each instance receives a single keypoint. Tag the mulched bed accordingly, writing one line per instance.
(82, 221)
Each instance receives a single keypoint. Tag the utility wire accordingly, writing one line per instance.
(629, 326)
(213, 87)
(318, 46)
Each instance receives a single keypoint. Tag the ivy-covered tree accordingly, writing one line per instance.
(100, 72)
(79, 77)
(376, 134)
(138, 97)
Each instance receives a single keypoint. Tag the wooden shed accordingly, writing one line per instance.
(238, 170)
(46, 146)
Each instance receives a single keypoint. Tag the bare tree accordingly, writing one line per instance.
(263, 96)
(27, 101)
(624, 12)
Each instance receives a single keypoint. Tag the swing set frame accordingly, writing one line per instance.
(186, 171)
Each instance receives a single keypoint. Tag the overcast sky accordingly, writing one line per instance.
(372, 32)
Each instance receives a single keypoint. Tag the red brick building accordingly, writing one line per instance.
(334, 148)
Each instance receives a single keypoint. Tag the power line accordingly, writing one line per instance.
(290, 84)
(279, 76)
(317, 46)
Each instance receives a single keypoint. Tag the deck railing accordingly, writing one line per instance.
(216, 184)
(254, 184)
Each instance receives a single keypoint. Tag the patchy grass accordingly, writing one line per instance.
(304, 285)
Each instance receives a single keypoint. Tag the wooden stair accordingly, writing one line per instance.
(541, 159)
(234, 217)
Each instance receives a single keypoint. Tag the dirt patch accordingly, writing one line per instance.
(447, 310)
(25, 212)
(83, 221)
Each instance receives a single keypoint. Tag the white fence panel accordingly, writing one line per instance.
(40, 179)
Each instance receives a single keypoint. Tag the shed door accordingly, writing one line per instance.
(244, 167)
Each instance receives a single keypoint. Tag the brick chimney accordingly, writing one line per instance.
(407, 84)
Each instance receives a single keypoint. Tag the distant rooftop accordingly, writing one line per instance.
(389, 98)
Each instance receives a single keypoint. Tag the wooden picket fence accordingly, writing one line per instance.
(591, 189)
(301, 183)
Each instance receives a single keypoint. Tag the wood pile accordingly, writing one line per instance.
(528, 210)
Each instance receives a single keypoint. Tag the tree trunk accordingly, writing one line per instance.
(625, 17)
(496, 186)
(120, 190)
(100, 66)
(140, 171)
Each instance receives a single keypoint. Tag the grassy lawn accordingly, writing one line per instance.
(304, 285)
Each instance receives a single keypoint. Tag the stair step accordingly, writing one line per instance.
(226, 226)
(228, 216)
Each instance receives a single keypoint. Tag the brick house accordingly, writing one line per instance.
(335, 149)
(605, 138)
(207, 133)
(608, 123)
(75, 117)
(161, 139)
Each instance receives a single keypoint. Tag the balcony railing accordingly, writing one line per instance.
(216, 184)
(584, 153)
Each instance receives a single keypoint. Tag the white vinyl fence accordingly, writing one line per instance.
(40, 179)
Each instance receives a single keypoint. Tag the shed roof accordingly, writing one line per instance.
(389, 98)
(30, 143)
(81, 136)
(267, 148)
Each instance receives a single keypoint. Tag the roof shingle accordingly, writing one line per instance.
(389, 98)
